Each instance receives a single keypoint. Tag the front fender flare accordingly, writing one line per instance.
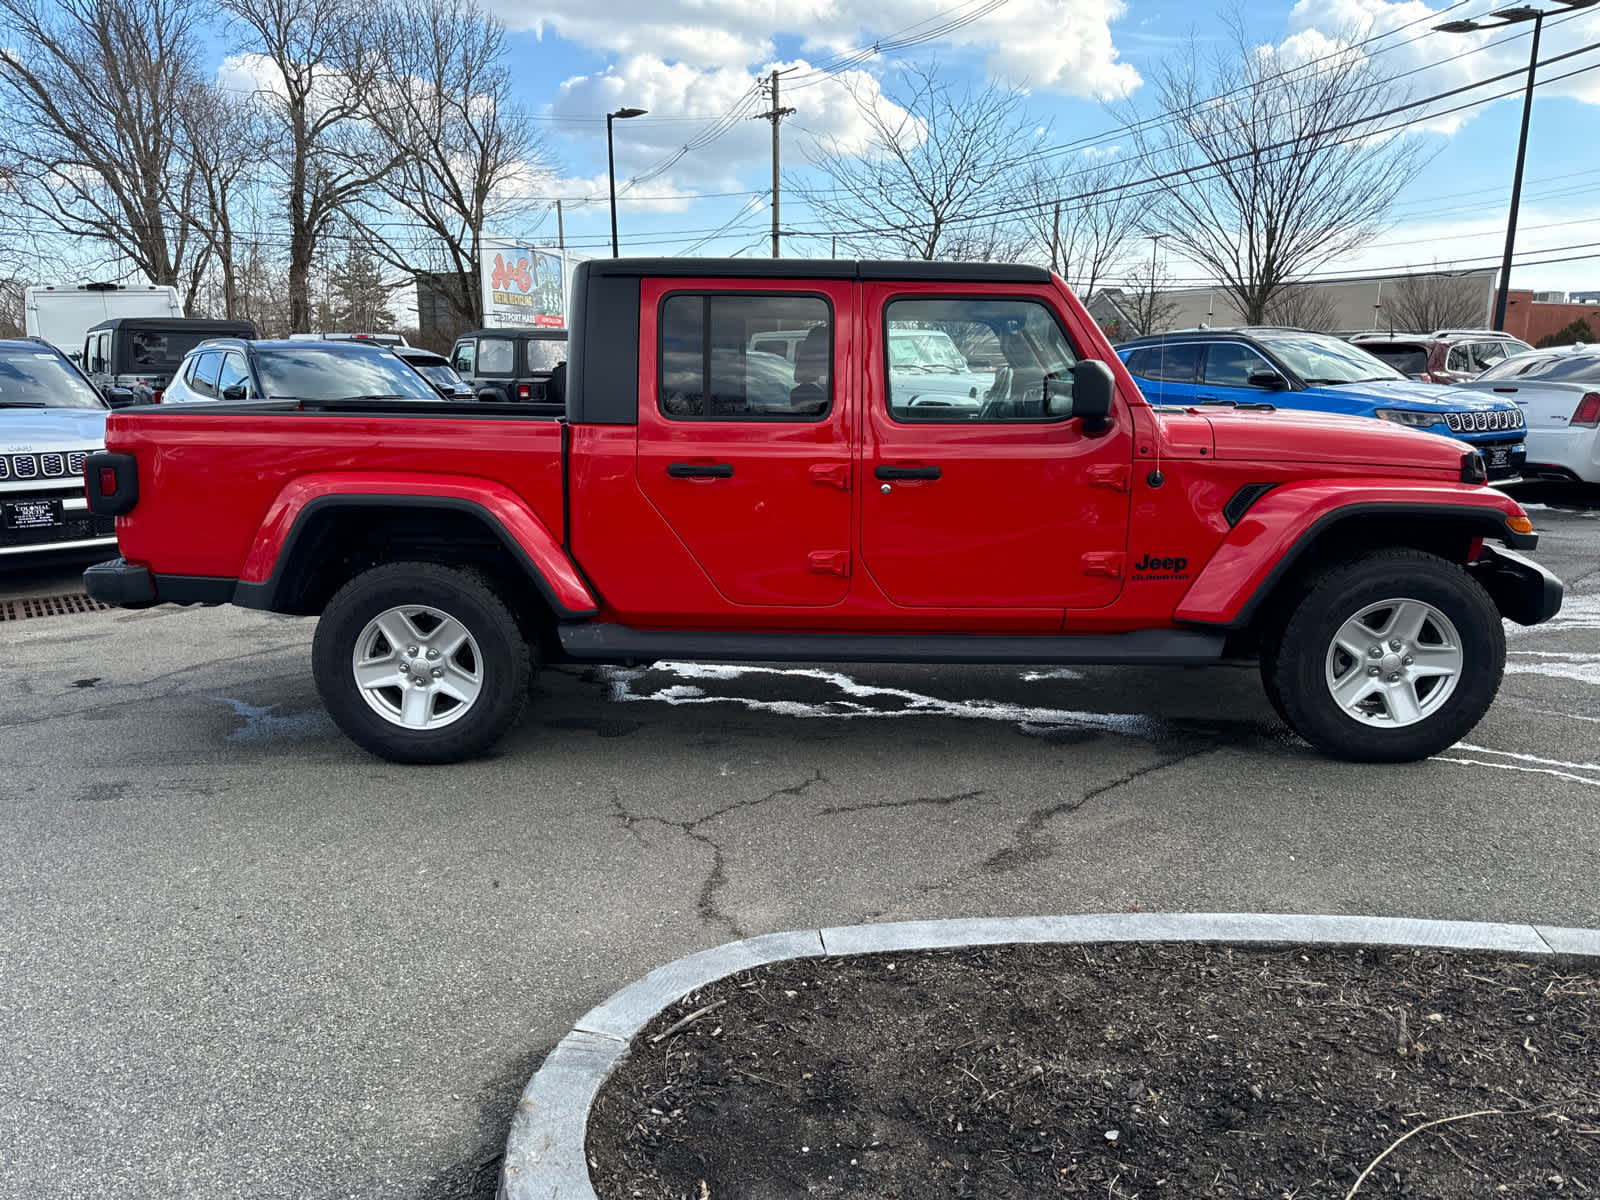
(263, 579)
(1285, 523)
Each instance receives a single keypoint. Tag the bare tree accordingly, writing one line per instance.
(1305, 306)
(1423, 303)
(1087, 239)
(935, 171)
(87, 88)
(464, 154)
(1289, 169)
(1147, 298)
(226, 138)
(322, 59)
(12, 294)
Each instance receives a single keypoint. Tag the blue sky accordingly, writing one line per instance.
(690, 62)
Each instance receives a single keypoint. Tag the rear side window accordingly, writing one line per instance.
(202, 376)
(496, 356)
(1177, 363)
(708, 371)
(544, 353)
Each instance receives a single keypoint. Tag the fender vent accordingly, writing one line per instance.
(1235, 509)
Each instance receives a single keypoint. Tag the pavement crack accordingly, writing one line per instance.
(935, 801)
(716, 879)
(1030, 844)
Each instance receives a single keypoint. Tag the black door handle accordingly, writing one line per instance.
(906, 473)
(700, 470)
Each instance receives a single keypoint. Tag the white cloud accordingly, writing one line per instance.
(1420, 53)
(1056, 45)
(829, 112)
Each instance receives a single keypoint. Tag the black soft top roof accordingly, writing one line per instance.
(180, 324)
(818, 268)
(543, 333)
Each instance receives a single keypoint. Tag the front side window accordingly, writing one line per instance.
(496, 356)
(234, 374)
(991, 360)
(709, 371)
(465, 352)
(1229, 364)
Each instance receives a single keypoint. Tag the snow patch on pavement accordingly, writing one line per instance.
(858, 700)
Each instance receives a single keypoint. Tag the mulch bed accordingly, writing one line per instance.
(1115, 1071)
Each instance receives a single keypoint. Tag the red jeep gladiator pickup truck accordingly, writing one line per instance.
(829, 461)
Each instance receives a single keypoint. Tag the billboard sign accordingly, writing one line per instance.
(524, 286)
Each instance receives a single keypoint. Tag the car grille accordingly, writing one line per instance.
(1484, 422)
(52, 464)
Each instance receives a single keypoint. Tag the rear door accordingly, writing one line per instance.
(1000, 502)
(746, 454)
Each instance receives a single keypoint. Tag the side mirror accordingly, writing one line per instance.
(1270, 380)
(236, 391)
(1093, 387)
(119, 397)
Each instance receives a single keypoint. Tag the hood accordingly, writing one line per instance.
(1289, 435)
(1411, 393)
(35, 430)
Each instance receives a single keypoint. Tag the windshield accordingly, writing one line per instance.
(1320, 359)
(32, 378)
(319, 371)
(925, 348)
(545, 353)
(438, 371)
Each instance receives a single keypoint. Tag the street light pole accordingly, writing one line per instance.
(1514, 16)
(622, 114)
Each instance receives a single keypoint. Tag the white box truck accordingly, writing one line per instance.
(62, 313)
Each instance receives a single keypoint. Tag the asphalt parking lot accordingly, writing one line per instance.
(241, 957)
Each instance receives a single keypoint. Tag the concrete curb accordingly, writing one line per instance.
(545, 1150)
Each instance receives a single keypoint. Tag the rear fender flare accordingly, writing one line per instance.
(1281, 527)
(264, 579)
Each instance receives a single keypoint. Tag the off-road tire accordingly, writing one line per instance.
(466, 596)
(1294, 667)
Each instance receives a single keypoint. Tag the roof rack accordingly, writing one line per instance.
(1468, 332)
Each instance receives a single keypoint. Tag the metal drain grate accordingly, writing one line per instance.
(49, 606)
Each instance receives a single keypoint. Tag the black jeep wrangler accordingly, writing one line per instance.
(131, 359)
(513, 366)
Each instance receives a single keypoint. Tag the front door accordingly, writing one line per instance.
(979, 488)
(744, 452)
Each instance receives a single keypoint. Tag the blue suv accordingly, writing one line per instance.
(1291, 368)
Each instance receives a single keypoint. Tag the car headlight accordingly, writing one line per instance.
(1406, 416)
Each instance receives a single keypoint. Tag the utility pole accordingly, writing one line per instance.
(561, 233)
(777, 114)
(1055, 238)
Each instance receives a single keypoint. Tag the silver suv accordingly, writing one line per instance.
(51, 420)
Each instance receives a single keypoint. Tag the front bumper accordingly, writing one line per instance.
(1522, 590)
(1503, 458)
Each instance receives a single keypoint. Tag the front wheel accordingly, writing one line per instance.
(1390, 658)
(421, 663)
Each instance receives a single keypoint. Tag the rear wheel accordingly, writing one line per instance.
(1388, 658)
(421, 663)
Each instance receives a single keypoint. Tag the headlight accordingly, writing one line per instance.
(1406, 416)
